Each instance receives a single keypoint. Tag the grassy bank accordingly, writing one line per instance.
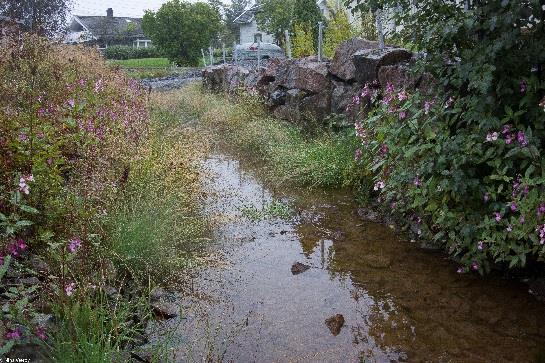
(142, 63)
(290, 155)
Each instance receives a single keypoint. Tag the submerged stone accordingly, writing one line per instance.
(298, 268)
(335, 324)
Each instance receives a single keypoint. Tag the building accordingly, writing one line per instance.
(104, 31)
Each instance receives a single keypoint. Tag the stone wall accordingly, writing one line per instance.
(305, 90)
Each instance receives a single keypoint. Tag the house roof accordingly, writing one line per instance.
(247, 16)
(104, 27)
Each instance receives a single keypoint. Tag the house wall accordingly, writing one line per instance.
(248, 31)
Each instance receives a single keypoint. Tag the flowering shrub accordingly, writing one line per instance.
(69, 126)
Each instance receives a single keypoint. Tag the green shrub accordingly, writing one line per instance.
(337, 31)
(464, 163)
(303, 42)
(121, 52)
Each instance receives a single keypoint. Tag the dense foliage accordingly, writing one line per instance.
(121, 52)
(303, 42)
(464, 162)
(275, 17)
(69, 127)
(180, 29)
(337, 31)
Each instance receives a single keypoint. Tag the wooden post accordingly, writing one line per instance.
(320, 40)
(258, 55)
(203, 57)
(211, 52)
(224, 55)
(288, 43)
(380, 30)
(235, 53)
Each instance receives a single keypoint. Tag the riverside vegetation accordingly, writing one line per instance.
(98, 201)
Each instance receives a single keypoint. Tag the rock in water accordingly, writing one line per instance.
(335, 323)
(298, 268)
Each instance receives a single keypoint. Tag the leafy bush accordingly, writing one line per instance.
(464, 162)
(69, 127)
(337, 31)
(121, 52)
(303, 42)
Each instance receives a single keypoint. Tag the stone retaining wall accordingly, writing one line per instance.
(303, 90)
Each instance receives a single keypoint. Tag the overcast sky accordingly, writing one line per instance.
(132, 8)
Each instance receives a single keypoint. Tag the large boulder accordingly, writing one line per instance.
(306, 74)
(213, 78)
(399, 75)
(235, 77)
(342, 65)
(369, 61)
(343, 95)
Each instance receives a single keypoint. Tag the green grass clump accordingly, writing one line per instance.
(325, 159)
(142, 63)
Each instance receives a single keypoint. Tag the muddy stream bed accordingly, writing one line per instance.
(399, 302)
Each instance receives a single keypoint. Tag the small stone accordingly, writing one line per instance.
(298, 268)
(368, 215)
(158, 293)
(165, 309)
(110, 291)
(45, 321)
(335, 324)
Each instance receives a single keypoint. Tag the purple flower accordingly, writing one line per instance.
(526, 190)
(427, 107)
(523, 86)
(521, 138)
(23, 137)
(402, 115)
(71, 103)
(509, 228)
(506, 129)
(393, 205)
(480, 245)
(541, 231)
(21, 245)
(417, 182)
(514, 207)
(383, 150)
(14, 334)
(486, 197)
(497, 216)
(475, 266)
(509, 139)
(402, 95)
(522, 220)
(69, 289)
(461, 270)
(74, 244)
(390, 88)
(541, 209)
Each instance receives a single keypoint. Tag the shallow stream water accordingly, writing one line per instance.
(399, 302)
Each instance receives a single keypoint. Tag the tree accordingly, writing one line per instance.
(45, 17)
(338, 30)
(307, 14)
(275, 17)
(180, 29)
(303, 42)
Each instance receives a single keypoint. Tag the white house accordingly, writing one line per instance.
(250, 32)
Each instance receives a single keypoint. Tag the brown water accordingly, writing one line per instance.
(399, 302)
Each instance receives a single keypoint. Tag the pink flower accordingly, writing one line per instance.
(74, 244)
(509, 138)
(402, 95)
(522, 220)
(492, 136)
(417, 182)
(541, 231)
(427, 106)
(69, 289)
(461, 270)
(383, 150)
(497, 216)
(402, 115)
(14, 334)
(379, 185)
(23, 186)
(542, 103)
(480, 245)
(541, 209)
(514, 207)
(71, 103)
(523, 86)
(23, 137)
(509, 228)
(486, 197)
(475, 266)
(40, 333)
(21, 245)
(390, 88)
(521, 138)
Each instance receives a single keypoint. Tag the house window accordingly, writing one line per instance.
(258, 38)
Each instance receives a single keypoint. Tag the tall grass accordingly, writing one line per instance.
(325, 159)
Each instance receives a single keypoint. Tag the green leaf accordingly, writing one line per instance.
(5, 266)
(28, 209)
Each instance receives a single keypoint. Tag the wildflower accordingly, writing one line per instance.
(514, 207)
(541, 231)
(461, 270)
(379, 185)
(69, 289)
(14, 334)
(2, 260)
(427, 106)
(393, 205)
(486, 197)
(82, 82)
(23, 137)
(480, 245)
(492, 136)
(542, 103)
(23, 183)
(383, 150)
(522, 220)
(523, 86)
(541, 209)
(402, 95)
(521, 138)
(402, 115)
(506, 129)
(509, 138)
(71, 103)
(475, 266)
(417, 182)
(40, 333)
(497, 216)
(74, 244)
(390, 88)
(21, 245)
(526, 190)
(509, 228)
(449, 102)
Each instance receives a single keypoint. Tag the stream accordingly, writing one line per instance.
(399, 302)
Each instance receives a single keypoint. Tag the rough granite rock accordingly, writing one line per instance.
(342, 65)
(342, 95)
(369, 61)
(399, 76)
(298, 268)
(335, 324)
(306, 74)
